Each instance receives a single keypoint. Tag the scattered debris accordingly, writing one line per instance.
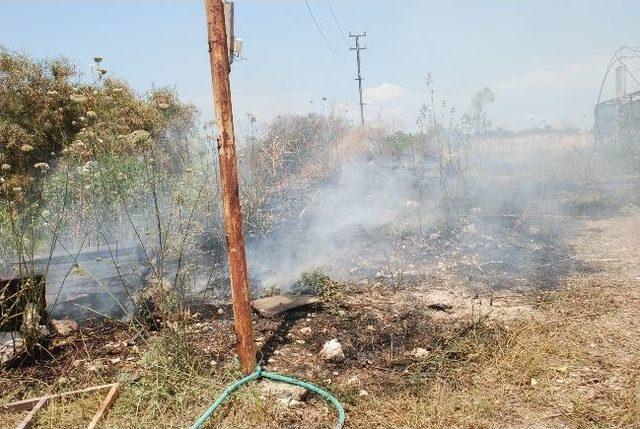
(440, 307)
(332, 351)
(275, 305)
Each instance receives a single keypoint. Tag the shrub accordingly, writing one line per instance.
(50, 116)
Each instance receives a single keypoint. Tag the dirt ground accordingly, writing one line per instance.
(441, 350)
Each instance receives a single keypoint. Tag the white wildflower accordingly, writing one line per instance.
(78, 98)
(26, 148)
(42, 166)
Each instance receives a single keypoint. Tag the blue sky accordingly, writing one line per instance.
(543, 59)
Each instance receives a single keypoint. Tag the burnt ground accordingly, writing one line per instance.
(460, 323)
(527, 321)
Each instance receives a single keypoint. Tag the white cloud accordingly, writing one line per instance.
(383, 92)
(556, 75)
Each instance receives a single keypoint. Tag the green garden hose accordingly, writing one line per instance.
(259, 373)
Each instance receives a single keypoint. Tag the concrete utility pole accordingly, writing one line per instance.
(358, 48)
(219, 57)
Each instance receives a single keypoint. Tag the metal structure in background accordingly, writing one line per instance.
(359, 48)
(218, 38)
(617, 120)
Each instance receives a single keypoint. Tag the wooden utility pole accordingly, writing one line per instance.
(358, 48)
(219, 56)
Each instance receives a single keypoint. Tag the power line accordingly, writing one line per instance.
(318, 26)
(335, 19)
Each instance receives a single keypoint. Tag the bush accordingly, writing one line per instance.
(50, 116)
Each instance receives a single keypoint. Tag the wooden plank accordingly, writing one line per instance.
(105, 406)
(27, 422)
(27, 404)
(35, 404)
(278, 304)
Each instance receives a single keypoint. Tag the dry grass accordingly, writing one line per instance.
(576, 366)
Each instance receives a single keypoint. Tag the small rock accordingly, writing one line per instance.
(306, 330)
(63, 380)
(115, 360)
(64, 327)
(332, 351)
(220, 311)
(295, 404)
(283, 391)
(11, 345)
(363, 393)
(419, 353)
(534, 382)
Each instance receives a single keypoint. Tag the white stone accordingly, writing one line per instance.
(332, 351)
(64, 327)
(419, 353)
(295, 403)
(11, 345)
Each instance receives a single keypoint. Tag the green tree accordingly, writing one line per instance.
(476, 119)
